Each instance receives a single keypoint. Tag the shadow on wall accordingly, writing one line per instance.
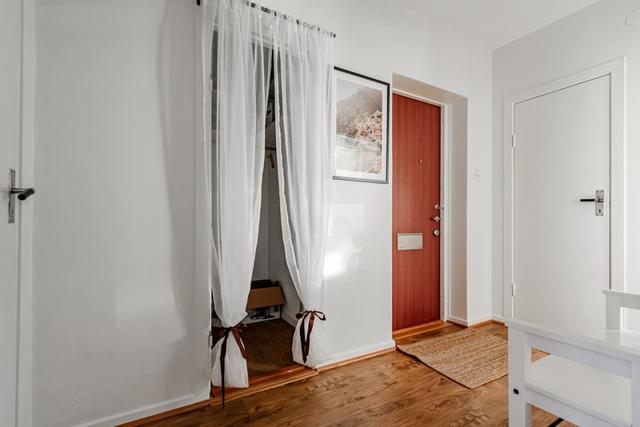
(176, 88)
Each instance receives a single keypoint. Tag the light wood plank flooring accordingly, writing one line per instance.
(390, 390)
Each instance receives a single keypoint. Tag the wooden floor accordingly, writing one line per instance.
(268, 346)
(392, 389)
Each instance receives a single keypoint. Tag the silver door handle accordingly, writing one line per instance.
(21, 194)
(598, 200)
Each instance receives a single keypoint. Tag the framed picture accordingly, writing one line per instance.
(361, 127)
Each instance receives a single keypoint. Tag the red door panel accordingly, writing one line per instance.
(416, 191)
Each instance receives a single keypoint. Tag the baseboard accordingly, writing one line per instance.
(138, 415)
(357, 355)
(290, 319)
(476, 321)
(185, 404)
(418, 329)
(458, 321)
(486, 323)
(168, 414)
(479, 319)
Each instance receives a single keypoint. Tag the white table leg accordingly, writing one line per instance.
(519, 364)
(613, 304)
(635, 394)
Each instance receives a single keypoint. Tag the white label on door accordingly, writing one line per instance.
(409, 241)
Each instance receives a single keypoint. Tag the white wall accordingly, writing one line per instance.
(590, 37)
(459, 292)
(376, 38)
(119, 327)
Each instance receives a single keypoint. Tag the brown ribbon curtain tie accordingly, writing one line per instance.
(305, 339)
(234, 331)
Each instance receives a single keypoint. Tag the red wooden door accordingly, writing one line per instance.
(416, 192)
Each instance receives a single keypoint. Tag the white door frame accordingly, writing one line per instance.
(616, 71)
(445, 189)
(26, 172)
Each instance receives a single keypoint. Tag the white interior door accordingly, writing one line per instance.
(9, 137)
(560, 244)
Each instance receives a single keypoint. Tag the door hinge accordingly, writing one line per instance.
(513, 289)
(513, 140)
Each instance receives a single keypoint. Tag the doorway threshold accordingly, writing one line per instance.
(418, 329)
(264, 382)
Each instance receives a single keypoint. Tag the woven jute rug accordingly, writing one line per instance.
(470, 357)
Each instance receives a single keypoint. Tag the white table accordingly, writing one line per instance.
(590, 379)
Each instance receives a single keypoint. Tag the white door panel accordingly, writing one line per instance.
(9, 135)
(561, 248)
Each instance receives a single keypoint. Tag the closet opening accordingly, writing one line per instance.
(273, 302)
(268, 236)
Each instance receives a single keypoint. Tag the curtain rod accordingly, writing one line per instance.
(273, 12)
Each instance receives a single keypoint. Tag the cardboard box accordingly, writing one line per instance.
(265, 297)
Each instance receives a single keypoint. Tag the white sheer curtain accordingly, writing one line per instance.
(236, 57)
(304, 101)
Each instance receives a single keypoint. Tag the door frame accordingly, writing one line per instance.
(26, 173)
(616, 71)
(445, 189)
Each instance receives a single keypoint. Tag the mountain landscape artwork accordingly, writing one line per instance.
(361, 140)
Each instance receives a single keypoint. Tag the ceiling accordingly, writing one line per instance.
(494, 22)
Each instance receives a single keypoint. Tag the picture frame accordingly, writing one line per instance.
(361, 127)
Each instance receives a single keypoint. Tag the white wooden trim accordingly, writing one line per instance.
(457, 320)
(507, 191)
(616, 70)
(617, 170)
(24, 410)
(479, 319)
(474, 320)
(445, 198)
(143, 412)
(362, 351)
(419, 98)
